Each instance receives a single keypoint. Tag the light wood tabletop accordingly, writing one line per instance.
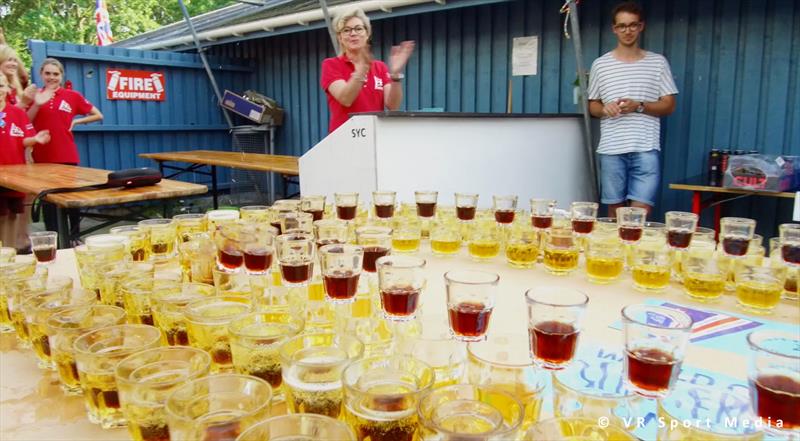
(286, 165)
(713, 189)
(35, 178)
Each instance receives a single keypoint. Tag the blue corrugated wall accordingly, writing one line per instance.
(735, 63)
(188, 119)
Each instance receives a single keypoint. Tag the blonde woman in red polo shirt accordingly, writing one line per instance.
(353, 81)
(54, 108)
(11, 68)
(16, 134)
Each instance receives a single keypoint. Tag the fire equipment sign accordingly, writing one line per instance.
(138, 85)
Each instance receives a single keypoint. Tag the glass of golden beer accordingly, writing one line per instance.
(20, 289)
(605, 257)
(64, 326)
(652, 267)
(483, 240)
(97, 354)
(217, 407)
(406, 235)
(207, 324)
(189, 224)
(136, 296)
(218, 218)
(299, 427)
(703, 277)
(7, 254)
(138, 245)
(117, 274)
(10, 271)
(697, 412)
(382, 394)
(759, 287)
(502, 362)
(145, 380)
(256, 339)
(434, 345)
(445, 237)
(574, 429)
(469, 412)
(198, 258)
(312, 371)
(163, 235)
(254, 214)
(522, 246)
(167, 308)
(561, 252)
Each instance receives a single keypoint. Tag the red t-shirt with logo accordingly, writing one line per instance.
(57, 116)
(15, 128)
(370, 99)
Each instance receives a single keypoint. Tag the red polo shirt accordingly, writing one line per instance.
(370, 99)
(16, 127)
(57, 116)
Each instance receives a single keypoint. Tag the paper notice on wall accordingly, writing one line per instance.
(525, 56)
(796, 215)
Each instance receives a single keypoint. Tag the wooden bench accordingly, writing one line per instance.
(35, 178)
(283, 165)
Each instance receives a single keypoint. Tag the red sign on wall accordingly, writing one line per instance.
(136, 85)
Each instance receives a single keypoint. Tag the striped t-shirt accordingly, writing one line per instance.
(645, 80)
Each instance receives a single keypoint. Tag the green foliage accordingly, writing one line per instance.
(72, 21)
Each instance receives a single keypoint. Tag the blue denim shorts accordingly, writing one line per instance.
(631, 176)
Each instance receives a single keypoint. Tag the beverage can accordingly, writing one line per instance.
(715, 168)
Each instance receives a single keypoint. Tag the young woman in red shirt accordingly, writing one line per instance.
(353, 81)
(54, 108)
(16, 134)
(21, 95)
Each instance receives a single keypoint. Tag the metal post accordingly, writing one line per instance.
(576, 39)
(201, 52)
(331, 31)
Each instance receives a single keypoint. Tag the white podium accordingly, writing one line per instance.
(488, 154)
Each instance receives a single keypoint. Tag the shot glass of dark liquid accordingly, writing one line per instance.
(401, 280)
(377, 242)
(680, 228)
(384, 203)
(735, 235)
(295, 253)
(230, 240)
(471, 297)
(789, 235)
(313, 205)
(43, 245)
(258, 248)
(630, 223)
(466, 205)
(504, 208)
(542, 213)
(341, 266)
(583, 215)
(774, 377)
(655, 342)
(555, 317)
(346, 205)
(426, 203)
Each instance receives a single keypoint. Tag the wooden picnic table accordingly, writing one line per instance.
(35, 178)
(281, 164)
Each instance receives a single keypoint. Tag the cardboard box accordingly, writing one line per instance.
(254, 106)
(763, 172)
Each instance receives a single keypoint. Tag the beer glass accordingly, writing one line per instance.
(346, 205)
(471, 296)
(256, 339)
(470, 412)
(312, 371)
(504, 208)
(295, 252)
(445, 237)
(300, 427)
(64, 326)
(43, 246)
(138, 245)
(542, 213)
(606, 225)
(522, 246)
(466, 204)
(651, 269)
(167, 308)
(330, 231)
(630, 223)
(655, 342)
(207, 325)
(97, 354)
(435, 345)
(145, 380)
(406, 235)
(18, 268)
(605, 257)
(383, 203)
(583, 216)
(503, 362)
(218, 218)
(426, 203)
(561, 252)
(217, 407)
(189, 224)
(296, 221)
(680, 228)
(555, 319)
(703, 278)
(774, 379)
(790, 243)
(163, 235)
(198, 258)
(254, 214)
(484, 240)
(376, 242)
(735, 235)
(20, 289)
(341, 267)
(313, 205)
(382, 394)
(759, 288)
(136, 297)
(401, 280)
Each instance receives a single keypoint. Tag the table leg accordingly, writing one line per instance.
(717, 217)
(214, 186)
(697, 202)
(64, 236)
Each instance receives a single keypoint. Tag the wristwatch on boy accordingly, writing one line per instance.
(640, 109)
